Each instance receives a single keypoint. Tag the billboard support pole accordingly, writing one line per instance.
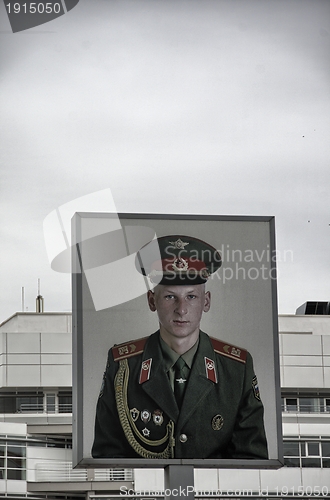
(179, 481)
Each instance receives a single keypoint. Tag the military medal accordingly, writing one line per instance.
(217, 422)
(157, 417)
(134, 414)
(210, 370)
(145, 432)
(145, 416)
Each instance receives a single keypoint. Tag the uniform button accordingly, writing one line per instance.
(183, 438)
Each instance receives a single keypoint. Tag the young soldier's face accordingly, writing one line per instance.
(179, 308)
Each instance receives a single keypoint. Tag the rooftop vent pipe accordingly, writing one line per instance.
(39, 300)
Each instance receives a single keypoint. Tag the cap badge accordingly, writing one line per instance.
(179, 244)
(145, 416)
(134, 414)
(157, 417)
(217, 422)
(180, 264)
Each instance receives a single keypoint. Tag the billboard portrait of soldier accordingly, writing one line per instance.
(179, 393)
(186, 367)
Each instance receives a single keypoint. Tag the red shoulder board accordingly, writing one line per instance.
(128, 349)
(228, 350)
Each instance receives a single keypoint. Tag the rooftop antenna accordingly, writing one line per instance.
(39, 300)
(23, 308)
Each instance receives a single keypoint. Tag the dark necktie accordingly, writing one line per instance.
(179, 380)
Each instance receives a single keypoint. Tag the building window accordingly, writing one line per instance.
(65, 402)
(37, 402)
(12, 459)
(310, 454)
(291, 453)
(291, 404)
(326, 454)
(310, 405)
(50, 442)
(306, 404)
(50, 402)
(306, 452)
(29, 404)
(7, 404)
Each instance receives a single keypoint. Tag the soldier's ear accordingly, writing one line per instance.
(151, 300)
(207, 301)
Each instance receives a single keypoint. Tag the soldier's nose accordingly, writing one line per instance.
(181, 307)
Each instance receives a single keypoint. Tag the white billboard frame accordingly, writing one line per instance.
(246, 302)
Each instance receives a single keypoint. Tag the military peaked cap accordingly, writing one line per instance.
(178, 260)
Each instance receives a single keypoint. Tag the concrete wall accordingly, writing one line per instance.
(45, 457)
(36, 351)
(305, 352)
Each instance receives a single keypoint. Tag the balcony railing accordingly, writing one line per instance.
(59, 472)
(113, 474)
(63, 472)
(40, 408)
(305, 409)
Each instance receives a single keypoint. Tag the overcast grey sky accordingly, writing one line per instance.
(177, 106)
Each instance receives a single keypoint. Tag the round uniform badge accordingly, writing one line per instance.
(217, 422)
(157, 417)
(145, 416)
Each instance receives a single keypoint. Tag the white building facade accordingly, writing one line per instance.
(36, 418)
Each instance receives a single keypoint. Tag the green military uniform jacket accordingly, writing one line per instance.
(221, 414)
